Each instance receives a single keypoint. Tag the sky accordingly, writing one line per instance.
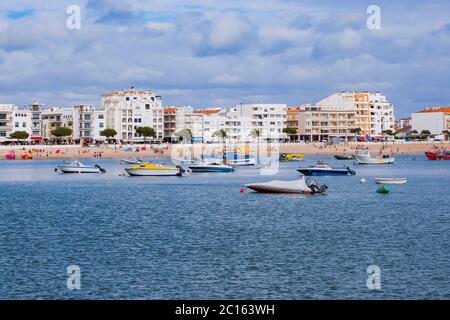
(208, 53)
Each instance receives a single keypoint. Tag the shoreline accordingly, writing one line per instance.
(183, 150)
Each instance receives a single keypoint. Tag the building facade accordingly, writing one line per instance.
(127, 110)
(54, 118)
(434, 119)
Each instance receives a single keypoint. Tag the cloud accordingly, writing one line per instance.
(209, 52)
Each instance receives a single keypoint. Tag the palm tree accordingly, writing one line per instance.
(222, 134)
(256, 133)
(186, 133)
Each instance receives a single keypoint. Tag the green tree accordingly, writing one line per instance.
(387, 132)
(290, 132)
(223, 135)
(146, 132)
(108, 133)
(424, 133)
(19, 135)
(186, 135)
(256, 133)
(356, 130)
(61, 132)
(446, 134)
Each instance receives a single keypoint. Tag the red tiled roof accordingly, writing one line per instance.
(441, 109)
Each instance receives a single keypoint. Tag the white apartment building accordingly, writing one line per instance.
(179, 118)
(83, 124)
(214, 119)
(435, 120)
(6, 120)
(54, 118)
(374, 112)
(127, 110)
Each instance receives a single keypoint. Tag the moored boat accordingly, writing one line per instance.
(343, 157)
(286, 157)
(322, 169)
(132, 161)
(151, 169)
(391, 180)
(438, 156)
(78, 167)
(364, 157)
(301, 186)
(242, 162)
(210, 167)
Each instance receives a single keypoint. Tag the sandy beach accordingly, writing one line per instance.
(183, 150)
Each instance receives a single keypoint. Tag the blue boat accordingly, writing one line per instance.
(321, 169)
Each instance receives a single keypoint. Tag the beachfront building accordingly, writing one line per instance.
(381, 115)
(178, 118)
(7, 112)
(434, 119)
(54, 118)
(214, 119)
(83, 124)
(127, 110)
(37, 131)
(324, 122)
(293, 122)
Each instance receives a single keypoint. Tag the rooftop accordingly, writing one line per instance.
(435, 109)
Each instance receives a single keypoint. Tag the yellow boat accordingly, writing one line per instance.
(151, 169)
(285, 157)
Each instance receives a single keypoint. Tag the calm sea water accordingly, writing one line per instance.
(198, 237)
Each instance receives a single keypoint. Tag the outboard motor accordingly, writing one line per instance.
(315, 186)
(182, 172)
(100, 168)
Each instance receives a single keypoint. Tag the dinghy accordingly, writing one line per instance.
(364, 157)
(391, 180)
(132, 161)
(78, 167)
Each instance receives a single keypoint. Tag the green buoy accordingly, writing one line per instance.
(385, 188)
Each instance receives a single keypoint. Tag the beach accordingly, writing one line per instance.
(184, 150)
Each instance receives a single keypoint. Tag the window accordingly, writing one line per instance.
(87, 134)
(127, 98)
(16, 125)
(2, 133)
(147, 107)
(100, 116)
(87, 117)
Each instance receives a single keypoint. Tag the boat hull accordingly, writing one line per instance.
(362, 159)
(343, 157)
(152, 172)
(318, 172)
(242, 162)
(125, 161)
(391, 180)
(75, 169)
(210, 168)
(262, 189)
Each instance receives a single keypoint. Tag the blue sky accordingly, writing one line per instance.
(219, 53)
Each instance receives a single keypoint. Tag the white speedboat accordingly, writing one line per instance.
(301, 186)
(210, 167)
(132, 161)
(391, 180)
(151, 169)
(78, 167)
(242, 162)
(364, 157)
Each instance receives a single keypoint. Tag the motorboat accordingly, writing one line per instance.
(132, 161)
(213, 166)
(391, 180)
(364, 157)
(301, 186)
(78, 167)
(286, 157)
(438, 156)
(343, 157)
(242, 162)
(322, 169)
(10, 156)
(152, 169)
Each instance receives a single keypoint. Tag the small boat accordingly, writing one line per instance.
(210, 167)
(385, 188)
(10, 156)
(286, 157)
(132, 161)
(301, 186)
(438, 156)
(151, 169)
(78, 167)
(364, 157)
(322, 169)
(343, 157)
(26, 156)
(242, 162)
(391, 180)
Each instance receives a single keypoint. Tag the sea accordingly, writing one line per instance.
(206, 236)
